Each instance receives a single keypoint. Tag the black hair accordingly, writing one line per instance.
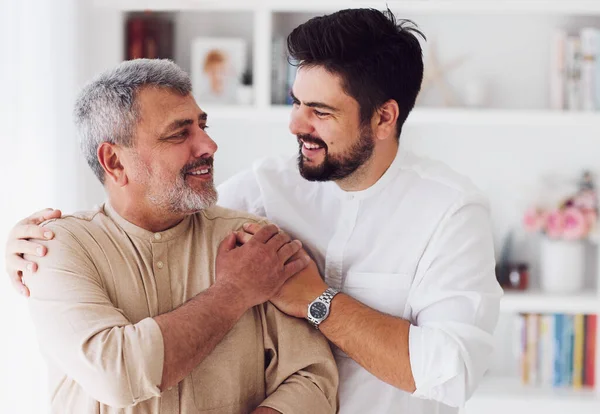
(377, 57)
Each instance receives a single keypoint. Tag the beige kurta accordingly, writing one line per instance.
(93, 300)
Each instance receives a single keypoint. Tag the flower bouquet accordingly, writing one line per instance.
(565, 227)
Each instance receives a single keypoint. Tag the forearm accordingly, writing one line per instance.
(193, 330)
(378, 342)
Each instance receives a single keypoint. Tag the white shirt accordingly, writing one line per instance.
(417, 245)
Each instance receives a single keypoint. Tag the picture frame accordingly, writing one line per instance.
(217, 65)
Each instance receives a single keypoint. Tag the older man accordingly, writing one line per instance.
(146, 305)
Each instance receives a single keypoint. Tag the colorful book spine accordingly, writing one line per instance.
(556, 350)
(578, 350)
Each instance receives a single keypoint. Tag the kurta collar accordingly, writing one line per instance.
(153, 237)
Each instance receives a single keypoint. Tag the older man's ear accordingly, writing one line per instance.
(109, 158)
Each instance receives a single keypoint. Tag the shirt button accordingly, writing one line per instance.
(160, 264)
(157, 236)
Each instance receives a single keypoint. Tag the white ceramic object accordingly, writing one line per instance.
(562, 265)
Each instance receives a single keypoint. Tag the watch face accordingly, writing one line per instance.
(318, 310)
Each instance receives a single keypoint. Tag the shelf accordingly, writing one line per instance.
(502, 395)
(588, 7)
(499, 117)
(539, 302)
(431, 116)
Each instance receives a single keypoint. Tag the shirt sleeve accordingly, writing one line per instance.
(301, 375)
(454, 301)
(82, 333)
(242, 192)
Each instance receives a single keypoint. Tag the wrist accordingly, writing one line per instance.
(237, 303)
(319, 309)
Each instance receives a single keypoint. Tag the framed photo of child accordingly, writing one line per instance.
(217, 65)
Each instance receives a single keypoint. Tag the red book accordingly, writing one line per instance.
(590, 350)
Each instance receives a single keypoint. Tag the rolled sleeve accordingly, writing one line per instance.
(301, 375)
(454, 307)
(81, 332)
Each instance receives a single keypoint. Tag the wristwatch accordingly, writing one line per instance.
(318, 309)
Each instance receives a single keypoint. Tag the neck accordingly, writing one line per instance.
(145, 215)
(371, 171)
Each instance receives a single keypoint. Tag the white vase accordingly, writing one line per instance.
(562, 265)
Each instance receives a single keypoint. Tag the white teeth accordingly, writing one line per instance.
(200, 172)
(311, 146)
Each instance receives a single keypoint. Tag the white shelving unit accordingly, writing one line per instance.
(499, 395)
(587, 7)
(586, 302)
(429, 116)
(507, 395)
(496, 394)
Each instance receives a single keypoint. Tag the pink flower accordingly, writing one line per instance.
(555, 224)
(533, 220)
(576, 225)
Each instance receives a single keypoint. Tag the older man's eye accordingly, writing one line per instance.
(182, 134)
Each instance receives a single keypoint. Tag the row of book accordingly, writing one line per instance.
(557, 350)
(282, 73)
(575, 70)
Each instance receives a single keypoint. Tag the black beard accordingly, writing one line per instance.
(339, 167)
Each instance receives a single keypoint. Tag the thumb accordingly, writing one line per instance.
(227, 245)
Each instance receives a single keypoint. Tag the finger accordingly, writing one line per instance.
(16, 264)
(19, 247)
(289, 250)
(265, 233)
(18, 285)
(252, 228)
(41, 216)
(31, 231)
(242, 237)
(21, 288)
(296, 266)
(49, 214)
(227, 244)
(279, 240)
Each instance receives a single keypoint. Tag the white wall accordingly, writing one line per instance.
(39, 163)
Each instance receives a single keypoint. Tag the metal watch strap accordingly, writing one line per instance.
(325, 298)
(328, 295)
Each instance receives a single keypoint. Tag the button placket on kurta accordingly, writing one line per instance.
(160, 267)
(334, 259)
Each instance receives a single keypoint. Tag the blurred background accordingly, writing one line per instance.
(511, 99)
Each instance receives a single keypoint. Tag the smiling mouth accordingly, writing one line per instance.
(311, 146)
(200, 171)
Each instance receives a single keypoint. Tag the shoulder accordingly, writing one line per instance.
(246, 190)
(228, 219)
(435, 179)
(76, 225)
(281, 167)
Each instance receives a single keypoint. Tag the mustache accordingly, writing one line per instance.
(311, 140)
(199, 163)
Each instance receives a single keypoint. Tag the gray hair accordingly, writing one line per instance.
(106, 109)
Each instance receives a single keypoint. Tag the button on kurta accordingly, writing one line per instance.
(157, 236)
(160, 264)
